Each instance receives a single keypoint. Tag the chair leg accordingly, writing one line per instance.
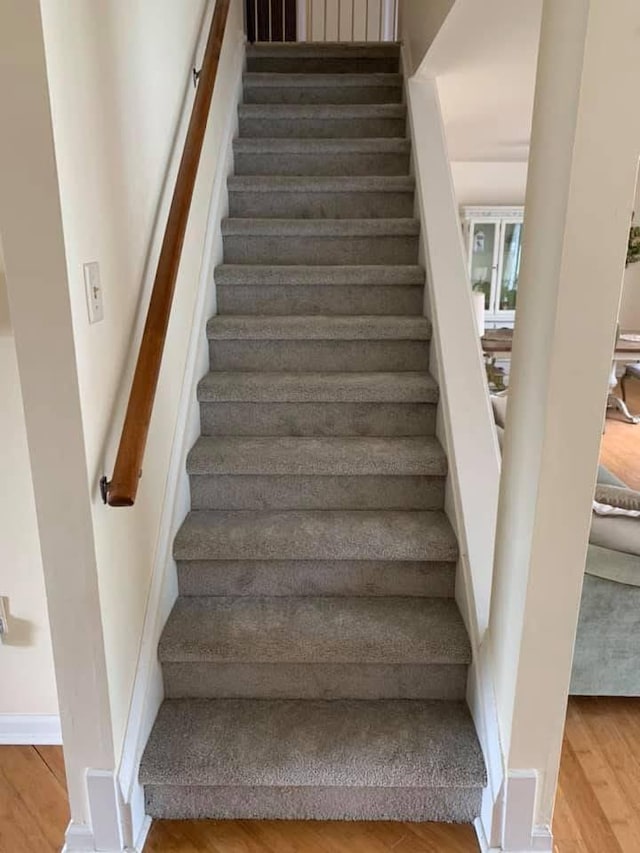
(623, 387)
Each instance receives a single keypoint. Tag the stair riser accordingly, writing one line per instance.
(316, 577)
(319, 205)
(248, 492)
(322, 65)
(322, 94)
(304, 356)
(297, 249)
(319, 299)
(393, 419)
(189, 680)
(327, 165)
(325, 128)
(183, 802)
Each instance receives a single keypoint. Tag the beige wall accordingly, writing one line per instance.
(119, 71)
(585, 146)
(418, 24)
(27, 649)
(630, 304)
(37, 285)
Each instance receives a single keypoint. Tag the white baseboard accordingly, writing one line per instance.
(148, 689)
(30, 729)
(78, 839)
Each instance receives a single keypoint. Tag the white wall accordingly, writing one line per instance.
(484, 57)
(26, 661)
(489, 183)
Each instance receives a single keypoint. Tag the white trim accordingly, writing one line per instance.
(110, 826)
(105, 808)
(148, 689)
(389, 21)
(30, 729)
(78, 839)
(141, 838)
(493, 211)
(519, 834)
(519, 809)
(301, 20)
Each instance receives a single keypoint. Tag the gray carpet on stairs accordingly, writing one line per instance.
(315, 661)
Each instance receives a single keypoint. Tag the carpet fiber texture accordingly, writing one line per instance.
(315, 661)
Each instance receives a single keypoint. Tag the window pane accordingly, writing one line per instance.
(510, 265)
(483, 241)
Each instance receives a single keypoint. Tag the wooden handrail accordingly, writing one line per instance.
(121, 489)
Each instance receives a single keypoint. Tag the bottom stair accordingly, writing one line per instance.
(313, 760)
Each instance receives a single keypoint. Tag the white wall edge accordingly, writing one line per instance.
(472, 591)
(30, 730)
(148, 689)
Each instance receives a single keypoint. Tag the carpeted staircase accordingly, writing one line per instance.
(315, 661)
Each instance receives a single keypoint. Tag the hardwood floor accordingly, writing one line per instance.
(620, 448)
(309, 837)
(597, 809)
(33, 799)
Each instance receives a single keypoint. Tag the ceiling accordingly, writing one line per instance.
(485, 58)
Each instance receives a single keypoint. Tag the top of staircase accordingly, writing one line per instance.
(325, 48)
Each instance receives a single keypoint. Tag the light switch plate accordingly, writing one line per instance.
(4, 621)
(93, 289)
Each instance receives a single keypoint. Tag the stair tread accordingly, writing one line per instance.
(391, 743)
(337, 145)
(316, 534)
(266, 79)
(322, 456)
(280, 387)
(319, 111)
(320, 183)
(331, 228)
(313, 630)
(259, 274)
(325, 49)
(318, 327)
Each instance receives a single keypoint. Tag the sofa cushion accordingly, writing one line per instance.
(618, 497)
(613, 565)
(617, 532)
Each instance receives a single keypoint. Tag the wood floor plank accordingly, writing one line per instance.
(597, 834)
(39, 791)
(620, 446)
(454, 838)
(589, 748)
(277, 836)
(53, 757)
(19, 832)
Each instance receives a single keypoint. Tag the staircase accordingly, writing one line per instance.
(315, 661)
